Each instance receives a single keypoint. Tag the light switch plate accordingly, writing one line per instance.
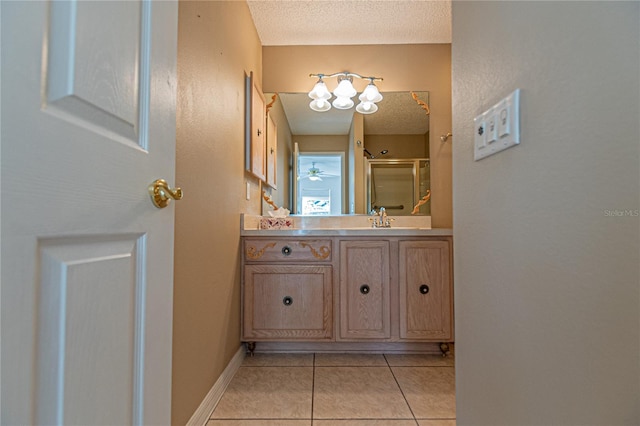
(491, 127)
(504, 117)
(498, 128)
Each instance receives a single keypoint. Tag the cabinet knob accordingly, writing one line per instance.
(287, 301)
(364, 289)
(424, 289)
(286, 250)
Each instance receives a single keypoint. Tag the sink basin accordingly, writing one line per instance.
(358, 223)
(362, 228)
(403, 227)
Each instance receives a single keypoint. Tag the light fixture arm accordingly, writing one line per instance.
(346, 74)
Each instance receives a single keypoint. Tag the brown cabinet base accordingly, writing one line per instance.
(372, 291)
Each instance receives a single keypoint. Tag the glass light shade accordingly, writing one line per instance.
(345, 89)
(366, 107)
(320, 91)
(320, 105)
(370, 94)
(342, 102)
(316, 178)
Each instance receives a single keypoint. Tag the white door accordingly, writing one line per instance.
(88, 122)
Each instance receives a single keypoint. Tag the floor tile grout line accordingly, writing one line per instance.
(261, 418)
(368, 418)
(399, 387)
(403, 395)
(313, 385)
(436, 418)
(276, 366)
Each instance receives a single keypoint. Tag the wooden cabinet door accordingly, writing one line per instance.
(425, 290)
(272, 145)
(287, 302)
(364, 290)
(257, 138)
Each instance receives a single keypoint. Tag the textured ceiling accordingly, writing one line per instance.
(320, 22)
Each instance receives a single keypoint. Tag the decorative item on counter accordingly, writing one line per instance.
(280, 212)
(422, 201)
(279, 217)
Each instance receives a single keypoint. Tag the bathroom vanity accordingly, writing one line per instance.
(347, 288)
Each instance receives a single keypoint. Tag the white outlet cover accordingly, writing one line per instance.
(507, 134)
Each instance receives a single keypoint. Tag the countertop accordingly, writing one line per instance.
(340, 232)
(342, 227)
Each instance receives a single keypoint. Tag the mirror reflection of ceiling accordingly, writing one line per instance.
(282, 23)
(398, 114)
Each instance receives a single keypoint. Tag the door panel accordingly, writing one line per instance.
(92, 71)
(92, 300)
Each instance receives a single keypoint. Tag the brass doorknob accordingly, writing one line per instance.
(161, 194)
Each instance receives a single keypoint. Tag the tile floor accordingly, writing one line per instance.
(340, 390)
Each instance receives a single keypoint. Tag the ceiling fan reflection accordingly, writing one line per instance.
(315, 174)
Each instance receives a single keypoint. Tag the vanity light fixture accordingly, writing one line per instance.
(320, 95)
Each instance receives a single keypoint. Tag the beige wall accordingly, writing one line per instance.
(329, 143)
(403, 67)
(546, 274)
(217, 43)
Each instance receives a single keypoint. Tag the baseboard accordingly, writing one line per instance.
(201, 416)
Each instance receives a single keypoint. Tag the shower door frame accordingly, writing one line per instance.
(415, 162)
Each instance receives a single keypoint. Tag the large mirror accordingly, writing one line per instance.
(345, 162)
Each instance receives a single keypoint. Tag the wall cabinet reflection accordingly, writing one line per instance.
(255, 122)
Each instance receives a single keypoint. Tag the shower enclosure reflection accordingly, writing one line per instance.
(398, 185)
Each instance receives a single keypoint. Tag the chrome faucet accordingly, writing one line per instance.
(380, 219)
(384, 219)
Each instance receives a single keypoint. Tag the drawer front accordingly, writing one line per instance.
(287, 250)
(284, 302)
